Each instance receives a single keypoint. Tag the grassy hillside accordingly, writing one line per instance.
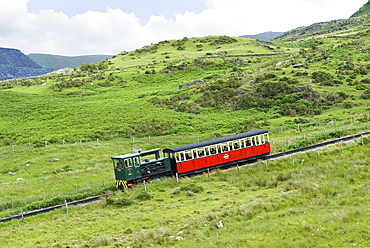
(137, 93)
(322, 200)
(59, 62)
(363, 10)
(309, 85)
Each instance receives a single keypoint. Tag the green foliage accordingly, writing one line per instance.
(144, 196)
(222, 40)
(192, 187)
(120, 202)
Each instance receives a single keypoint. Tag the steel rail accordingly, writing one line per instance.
(316, 146)
(52, 208)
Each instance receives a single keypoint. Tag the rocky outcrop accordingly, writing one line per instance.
(15, 64)
(196, 82)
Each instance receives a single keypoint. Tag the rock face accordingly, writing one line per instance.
(15, 64)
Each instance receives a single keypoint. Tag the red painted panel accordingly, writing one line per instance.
(235, 155)
(200, 163)
(225, 157)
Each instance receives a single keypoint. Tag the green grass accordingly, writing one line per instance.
(322, 201)
(135, 95)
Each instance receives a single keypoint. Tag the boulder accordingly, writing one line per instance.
(54, 159)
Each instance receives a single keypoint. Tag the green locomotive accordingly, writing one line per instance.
(139, 166)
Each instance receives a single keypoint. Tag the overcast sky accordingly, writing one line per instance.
(78, 27)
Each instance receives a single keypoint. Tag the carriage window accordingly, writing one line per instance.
(188, 155)
(116, 163)
(236, 145)
(207, 151)
(200, 153)
(225, 147)
(253, 141)
(248, 142)
(259, 140)
(128, 163)
(136, 162)
(242, 143)
(195, 153)
(263, 139)
(213, 150)
(180, 157)
(218, 148)
(266, 138)
(230, 146)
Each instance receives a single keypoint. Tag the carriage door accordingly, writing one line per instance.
(137, 167)
(130, 173)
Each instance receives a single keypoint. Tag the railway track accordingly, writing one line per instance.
(269, 157)
(52, 208)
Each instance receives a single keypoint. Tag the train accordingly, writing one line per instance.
(191, 159)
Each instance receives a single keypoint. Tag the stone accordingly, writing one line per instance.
(54, 159)
(297, 65)
(10, 173)
(219, 224)
(179, 233)
(330, 123)
(195, 82)
(19, 179)
(179, 238)
(241, 91)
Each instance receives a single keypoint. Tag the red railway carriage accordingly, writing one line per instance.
(221, 152)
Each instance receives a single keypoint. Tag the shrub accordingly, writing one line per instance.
(142, 196)
(192, 187)
(121, 202)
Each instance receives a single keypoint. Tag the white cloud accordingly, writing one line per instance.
(113, 30)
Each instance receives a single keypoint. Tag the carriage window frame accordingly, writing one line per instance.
(136, 162)
(187, 152)
(213, 148)
(218, 149)
(207, 151)
(182, 156)
(200, 152)
(128, 163)
(259, 140)
(236, 142)
(242, 143)
(223, 146)
(116, 163)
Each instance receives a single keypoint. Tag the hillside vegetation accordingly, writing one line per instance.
(322, 200)
(308, 85)
(138, 93)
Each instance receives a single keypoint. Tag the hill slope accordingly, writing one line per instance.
(266, 36)
(14, 64)
(59, 62)
(363, 10)
(215, 84)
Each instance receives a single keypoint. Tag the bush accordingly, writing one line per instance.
(192, 187)
(142, 196)
(121, 202)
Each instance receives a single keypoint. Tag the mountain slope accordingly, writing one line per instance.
(363, 10)
(59, 62)
(266, 36)
(14, 64)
